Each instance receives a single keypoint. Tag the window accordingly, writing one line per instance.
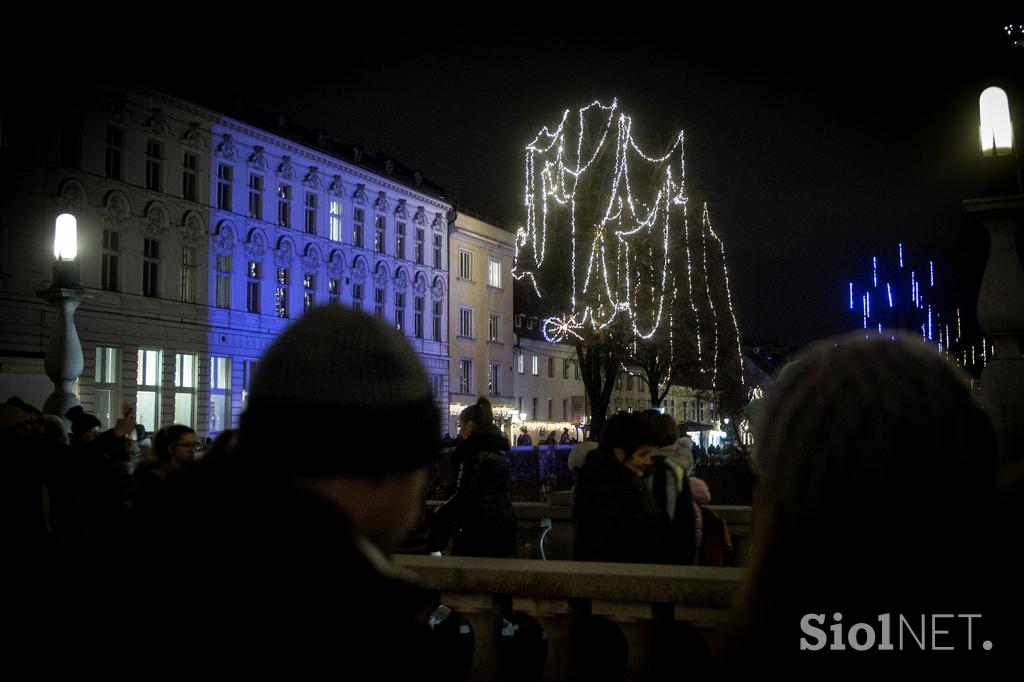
(629, 382)
(147, 379)
(535, 366)
(71, 140)
(113, 167)
(399, 310)
(254, 275)
(576, 370)
(281, 293)
(188, 274)
(256, 196)
(336, 220)
(357, 227)
(551, 415)
(466, 265)
(380, 224)
(520, 364)
(107, 386)
(225, 174)
(184, 389)
(534, 413)
(437, 321)
(220, 393)
(437, 250)
(419, 245)
(333, 291)
(494, 273)
(150, 268)
(494, 327)
(565, 409)
(551, 368)
(153, 151)
(436, 386)
(190, 164)
(311, 212)
(465, 377)
(466, 323)
(618, 381)
(308, 292)
(284, 205)
(111, 256)
(378, 303)
(248, 367)
(357, 296)
(223, 299)
(565, 369)
(418, 317)
(400, 240)
(493, 372)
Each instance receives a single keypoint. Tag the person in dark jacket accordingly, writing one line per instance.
(670, 488)
(480, 511)
(614, 514)
(278, 545)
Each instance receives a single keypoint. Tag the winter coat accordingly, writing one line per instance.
(615, 517)
(479, 512)
(670, 488)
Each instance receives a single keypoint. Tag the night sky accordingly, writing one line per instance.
(816, 147)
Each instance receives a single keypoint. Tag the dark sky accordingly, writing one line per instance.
(816, 147)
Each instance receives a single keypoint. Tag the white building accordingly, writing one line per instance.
(201, 235)
(481, 318)
(550, 395)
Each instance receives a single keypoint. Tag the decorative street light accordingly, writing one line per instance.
(64, 361)
(1001, 297)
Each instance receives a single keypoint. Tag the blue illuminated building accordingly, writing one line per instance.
(202, 235)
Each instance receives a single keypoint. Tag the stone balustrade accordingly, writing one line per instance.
(637, 598)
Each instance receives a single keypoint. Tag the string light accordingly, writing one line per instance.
(612, 276)
(874, 275)
(888, 289)
(851, 295)
(901, 255)
(931, 267)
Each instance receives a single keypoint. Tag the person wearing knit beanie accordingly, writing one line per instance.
(293, 522)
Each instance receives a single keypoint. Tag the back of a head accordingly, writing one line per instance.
(475, 415)
(629, 431)
(340, 393)
(486, 411)
(874, 461)
(872, 420)
(668, 430)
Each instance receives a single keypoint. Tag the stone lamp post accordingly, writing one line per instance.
(64, 360)
(1001, 298)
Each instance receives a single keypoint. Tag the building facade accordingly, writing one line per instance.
(201, 237)
(481, 318)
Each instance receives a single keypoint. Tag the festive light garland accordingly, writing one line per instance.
(628, 218)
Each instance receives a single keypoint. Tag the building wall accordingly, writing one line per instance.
(43, 175)
(481, 294)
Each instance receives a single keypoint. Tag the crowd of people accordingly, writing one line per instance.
(877, 493)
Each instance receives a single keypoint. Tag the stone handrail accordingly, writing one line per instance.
(635, 597)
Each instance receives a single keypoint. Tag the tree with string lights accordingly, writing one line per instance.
(611, 262)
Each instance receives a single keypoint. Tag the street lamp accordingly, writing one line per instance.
(1001, 297)
(64, 361)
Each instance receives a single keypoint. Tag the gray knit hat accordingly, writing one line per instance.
(338, 393)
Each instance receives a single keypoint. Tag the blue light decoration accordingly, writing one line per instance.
(922, 312)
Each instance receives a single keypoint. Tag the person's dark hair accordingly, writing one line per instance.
(165, 438)
(475, 414)
(81, 421)
(668, 430)
(486, 413)
(629, 431)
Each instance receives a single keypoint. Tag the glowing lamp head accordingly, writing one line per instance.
(65, 240)
(996, 127)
